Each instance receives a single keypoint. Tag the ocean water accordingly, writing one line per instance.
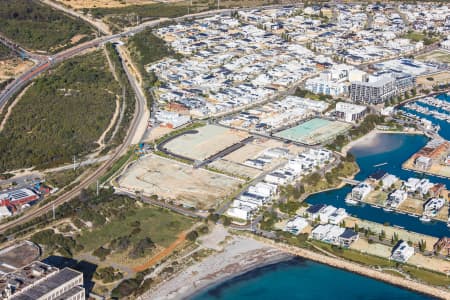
(304, 279)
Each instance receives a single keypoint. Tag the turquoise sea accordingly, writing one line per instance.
(305, 280)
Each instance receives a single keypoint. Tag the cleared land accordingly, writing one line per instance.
(314, 131)
(41, 27)
(208, 141)
(78, 4)
(431, 263)
(10, 68)
(437, 79)
(440, 56)
(171, 180)
(233, 163)
(124, 16)
(61, 115)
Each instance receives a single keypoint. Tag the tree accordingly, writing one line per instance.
(422, 245)
(192, 236)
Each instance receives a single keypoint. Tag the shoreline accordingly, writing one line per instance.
(362, 270)
(369, 138)
(226, 265)
(282, 257)
(241, 255)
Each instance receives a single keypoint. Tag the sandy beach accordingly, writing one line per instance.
(370, 139)
(242, 254)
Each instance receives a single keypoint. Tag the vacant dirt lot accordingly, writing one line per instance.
(12, 67)
(78, 4)
(171, 180)
(233, 163)
(440, 56)
(441, 78)
(208, 141)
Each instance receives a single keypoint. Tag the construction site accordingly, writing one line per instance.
(178, 182)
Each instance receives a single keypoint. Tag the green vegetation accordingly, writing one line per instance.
(107, 274)
(427, 38)
(355, 256)
(36, 26)
(120, 17)
(118, 165)
(146, 48)
(368, 124)
(314, 182)
(56, 242)
(63, 178)
(427, 276)
(125, 288)
(307, 94)
(160, 225)
(5, 52)
(129, 95)
(109, 224)
(61, 115)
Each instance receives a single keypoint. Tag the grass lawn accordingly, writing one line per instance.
(417, 36)
(356, 256)
(393, 272)
(161, 225)
(436, 55)
(428, 277)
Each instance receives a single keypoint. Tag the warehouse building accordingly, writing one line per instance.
(39, 281)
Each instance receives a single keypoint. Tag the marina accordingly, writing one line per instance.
(392, 149)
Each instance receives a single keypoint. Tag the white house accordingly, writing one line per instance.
(361, 191)
(337, 216)
(402, 252)
(388, 180)
(396, 198)
(296, 225)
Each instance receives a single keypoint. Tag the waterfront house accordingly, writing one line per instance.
(402, 252)
(396, 198)
(360, 191)
(348, 237)
(296, 225)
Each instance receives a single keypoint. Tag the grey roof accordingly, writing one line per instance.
(48, 285)
(315, 208)
(348, 233)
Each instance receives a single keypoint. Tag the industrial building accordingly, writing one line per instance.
(39, 281)
(18, 197)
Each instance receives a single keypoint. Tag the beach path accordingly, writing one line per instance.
(162, 254)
